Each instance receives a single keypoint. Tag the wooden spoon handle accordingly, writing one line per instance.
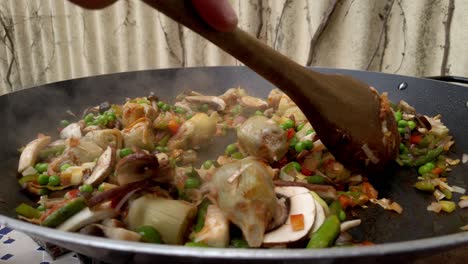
(273, 66)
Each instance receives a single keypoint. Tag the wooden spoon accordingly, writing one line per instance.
(352, 120)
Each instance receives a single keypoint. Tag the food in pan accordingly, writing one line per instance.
(149, 171)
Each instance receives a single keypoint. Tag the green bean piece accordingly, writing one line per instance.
(447, 193)
(41, 167)
(27, 211)
(149, 234)
(316, 179)
(43, 179)
(336, 209)
(426, 185)
(326, 234)
(60, 215)
(310, 131)
(201, 214)
(431, 155)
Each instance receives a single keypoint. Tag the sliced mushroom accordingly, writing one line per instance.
(103, 168)
(72, 130)
(319, 217)
(215, 232)
(217, 103)
(29, 155)
(301, 203)
(136, 167)
(262, 137)
(253, 103)
(117, 233)
(87, 216)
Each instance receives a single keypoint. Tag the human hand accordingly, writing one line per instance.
(217, 13)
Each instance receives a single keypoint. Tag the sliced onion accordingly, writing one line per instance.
(434, 207)
(438, 195)
(463, 203)
(458, 189)
(124, 200)
(464, 158)
(464, 228)
(346, 225)
(369, 154)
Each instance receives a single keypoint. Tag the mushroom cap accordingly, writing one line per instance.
(136, 167)
(103, 168)
(301, 202)
(31, 151)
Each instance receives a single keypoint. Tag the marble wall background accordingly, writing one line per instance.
(45, 41)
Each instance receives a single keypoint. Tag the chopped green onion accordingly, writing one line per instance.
(196, 244)
(426, 185)
(201, 214)
(447, 206)
(239, 243)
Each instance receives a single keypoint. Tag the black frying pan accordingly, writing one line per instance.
(414, 233)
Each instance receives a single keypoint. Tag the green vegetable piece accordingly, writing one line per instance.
(101, 120)
(310, 131)
(43, 179)
(41, 208)
(204, 107)
(424, 169)
(342, 216)
(308, 144)
(125, 152)
(235, 110)
(179, 110)
(207, 164)
(300, 126)
(326, 234)
(293, 142)
(239, 243)
(411, 124)
(401, 130)
(54, 180)
(26, 179)
(287, 124)
(110, 116)
(64, 123)
(89, 118)
(447, 193)
(166, 107)
(316, 179)
(447, 206)
(101, 188)
(259, 113)
(201, 214)
(41, 167)
(299, 146)
(425, 186)
(431, 155)
(398, 116)
(192, 183)
(149, 234)
(336, 209)
(160, 104)
(43, 191)
(231, 148)
(196, 244)
(237, 155)
(296, 165)
(86, 188)
(28, 211)
(60, 215)
(164, 140)
(64, 167)
(143, 101)
(403, 148)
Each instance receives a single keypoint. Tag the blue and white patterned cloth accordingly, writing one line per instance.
(16, 247)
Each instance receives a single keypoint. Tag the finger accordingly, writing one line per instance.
(93, 4)
(217, 13)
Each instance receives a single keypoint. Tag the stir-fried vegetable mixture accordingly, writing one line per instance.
(134, 172)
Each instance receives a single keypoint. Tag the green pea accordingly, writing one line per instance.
(259, 113)
(89, 118)
(231, 148)
(299, 146)
(424, 169)
(111, 116)
(398, 116)
(102, 120)
(316, 179)
(101, 188)
(64, 167)
(239, 243)
(160, 104)
(41, 208)
(86, 188)
(41, 167)
(293, 142)
(125, 152)
(192, 183)
(411, 124)
(54, 180)
(310, 131)
(287, 124)
(166, 107)
(308, 144)
(207, 164)
(431, 165)
(179, 110)
(300, 126)
(296, 165)
(196, 244)
(204, 107)
(149, 234)
(403, 148)
(402, 123)
(43, 179)
(236, 109)
(401, 130)
(237, 155)
(64, 123)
